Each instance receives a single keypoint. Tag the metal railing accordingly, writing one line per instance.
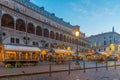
(85, 66)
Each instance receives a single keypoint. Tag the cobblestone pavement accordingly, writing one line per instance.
(91, 74)
(45, 68)
(101, 74)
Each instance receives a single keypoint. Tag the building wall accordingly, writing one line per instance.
(103, 42)
(37, 27)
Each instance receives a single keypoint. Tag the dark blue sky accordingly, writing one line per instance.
(94, 16)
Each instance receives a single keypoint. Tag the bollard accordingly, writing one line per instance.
(50, 70)
(84, 66)
(106, 65)
(96, 66)
(115, 65)
(69, 68)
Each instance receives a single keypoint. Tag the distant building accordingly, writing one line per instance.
(107, 42)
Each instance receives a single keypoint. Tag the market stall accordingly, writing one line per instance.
(21, 54)
(62, 55)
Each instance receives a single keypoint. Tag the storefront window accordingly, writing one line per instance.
(23, 56)
(10, 55)
(0, 53)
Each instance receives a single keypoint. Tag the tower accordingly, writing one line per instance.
(113, 29)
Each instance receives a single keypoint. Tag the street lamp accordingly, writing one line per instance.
(77, 35)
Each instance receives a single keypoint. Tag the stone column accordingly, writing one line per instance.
(31, 55)
(14, 33)
(43, 32)
(15, 25)
(19, 55)
(0, 26)
(35, 29)
(26, 38)
(4, 55)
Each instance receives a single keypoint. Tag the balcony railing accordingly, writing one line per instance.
(12, 31)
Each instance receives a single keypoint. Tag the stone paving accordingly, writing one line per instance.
(112, 74)
(91, 74)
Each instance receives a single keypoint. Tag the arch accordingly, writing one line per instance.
(7, 21)
(38, 31)
(76, 41)
(64, 38)
(30, 28)
(61, 37)
(73, 40)
(59, 46)
(69, 48)
(119, 48)
(20, 25)
(46, 33)
(64, 47)
(80, 43)
(68, 39)
(57, 36)
(51, 34)
(83, 44)
(49, 45)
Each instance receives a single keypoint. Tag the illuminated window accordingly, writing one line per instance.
(94, 44)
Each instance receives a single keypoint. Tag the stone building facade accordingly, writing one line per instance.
(106, 42)
(24, 23)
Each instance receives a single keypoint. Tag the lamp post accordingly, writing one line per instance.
(77, 35)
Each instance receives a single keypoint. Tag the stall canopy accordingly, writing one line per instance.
(20, 48)
(103, 53)
(63, 51)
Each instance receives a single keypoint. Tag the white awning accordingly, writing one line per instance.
(20, 48)
(104, 53)
(63, 51)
